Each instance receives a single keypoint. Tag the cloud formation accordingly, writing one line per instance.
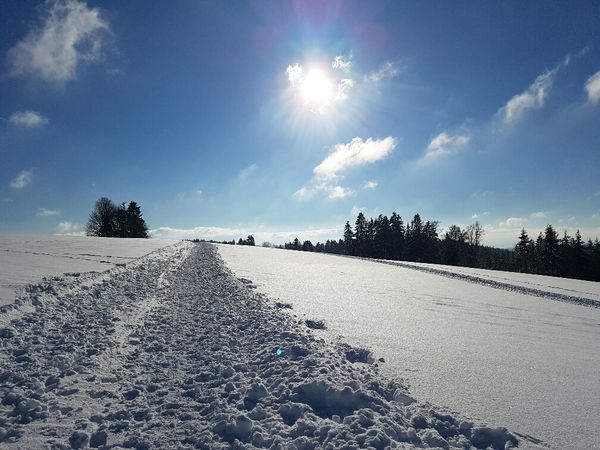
(340, 192)
(445, 144)
(28, 119)
(592, 87)
(70, 33)
(22, 180)
(512, 223)
(369, 184)
(386, 71)
(357, 152)
(69, 228)
(225, 233)
(534, 96)
(344, 87)
(43, 212)
(342, 63)
(539, 215)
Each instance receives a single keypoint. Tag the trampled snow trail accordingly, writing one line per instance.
(173, 351)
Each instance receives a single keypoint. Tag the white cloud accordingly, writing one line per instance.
(294, 73)
(246, 172)
(369, 184)
(342, 63)
(355, 210)
(69, 228)
(22, 180)
(43, 212)
(224, 233)
(386, 70)
(29, 119)
(444, 144)
(592, 87)
(534, 96)
(539, 215)
(480, 215)
(336, 192)
(344, 88)
(512, 222)
(304, 193)
(481, 195)
(356, 153)
(71, 33)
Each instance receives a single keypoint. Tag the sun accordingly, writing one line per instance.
(316, 89)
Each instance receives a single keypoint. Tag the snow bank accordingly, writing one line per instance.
(28, 258)
(172, 351)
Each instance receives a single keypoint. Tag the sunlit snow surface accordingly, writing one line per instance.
(28, 258)
(523, 361)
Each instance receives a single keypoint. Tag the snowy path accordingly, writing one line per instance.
(496, 354)
(173, 351)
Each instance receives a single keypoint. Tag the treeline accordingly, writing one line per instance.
(248, 241)
(111, 220)
(420, 241)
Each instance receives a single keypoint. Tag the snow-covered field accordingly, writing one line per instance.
(171, 350)
(28, 258)
(511, 349)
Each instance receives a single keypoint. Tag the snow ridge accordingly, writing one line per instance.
(172, 351)
(495, 284)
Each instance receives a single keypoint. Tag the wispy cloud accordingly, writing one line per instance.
(28, 119)
(344, 87)
(43, 212)
(247, 172)
(355, 210)
(333, 191)
(482, 194)
(480, 215)
(386, 71)
(592, 87)
(445, 144)
(539, 215)
(22, 180)
(369, 184)
(343, 63)
(357, 152)
(70, 33)
(534, 96)
(69, 228)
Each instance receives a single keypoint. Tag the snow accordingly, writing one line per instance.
(504, 353)
(171, 350)
(27, 258)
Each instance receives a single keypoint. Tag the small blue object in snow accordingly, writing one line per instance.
(279, 351)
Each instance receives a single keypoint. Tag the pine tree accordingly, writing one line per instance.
(550, 255)
(397, 235)
(360, 233)
(348, 235)
(525, 253)
(136, 225)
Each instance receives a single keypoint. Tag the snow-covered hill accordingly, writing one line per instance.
(515, 349)
(28, 258)
(173, 351)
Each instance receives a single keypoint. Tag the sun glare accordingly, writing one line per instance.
(316, 89)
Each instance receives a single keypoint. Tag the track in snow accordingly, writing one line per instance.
(172, 351)
(495, 284)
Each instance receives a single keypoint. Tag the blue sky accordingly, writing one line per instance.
(286, 118)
